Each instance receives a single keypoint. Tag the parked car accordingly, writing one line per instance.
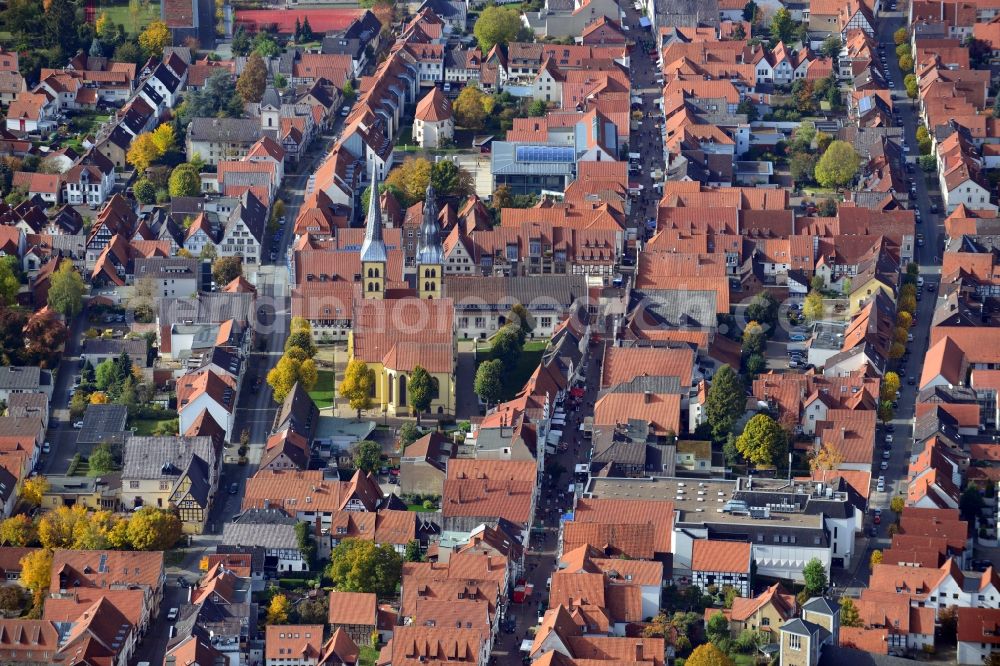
(46, 447)
(797, 337)
(172, 614)
(880, 485)
(234, 488)
(877, 519)
(78, 425)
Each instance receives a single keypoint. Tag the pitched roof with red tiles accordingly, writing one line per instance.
(293, 642)
(623, 364)
(501, 488)
(979, 625)
(352, 608)
(872, 641)
(433, 108)
(720, 556)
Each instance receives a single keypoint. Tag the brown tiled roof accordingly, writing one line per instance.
(83, 568)
(308, 491)
(434, 107)
(422, 645)
(340, 649)
(622, 364)
(775, 595)
(979, 625)
(352, 608)
(872, 641)
(295, 642)
(501, 488)
(720, 556)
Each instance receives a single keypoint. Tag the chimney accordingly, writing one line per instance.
(647, 397)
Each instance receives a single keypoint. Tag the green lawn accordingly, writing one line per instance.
(325, 390)
(526, 364)
(147, 426)
(119, 14)
(367, 655)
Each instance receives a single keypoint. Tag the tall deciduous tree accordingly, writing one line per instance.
(143, 152)
(838, 165)
(813, 306)
(36, 573)
(44, 336)
(18, 531)
(411, 179)
(488, 384)
(367, 456)
(9, 284)
(725, 402)
(782, 26)
(814, 576)
(66, 290)
(763, 441)
(361, 566)
(154, 39)
(358, 385)
(289, 370)
(253, 80)
(420, 390)
(849, 615)
(277, 611)
(890, 384)
(469, 108)
(184, 181)
(165, 138)
(496, 25)
(226, 269)
(153, 529)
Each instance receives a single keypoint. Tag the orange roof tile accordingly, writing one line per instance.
(720, 556)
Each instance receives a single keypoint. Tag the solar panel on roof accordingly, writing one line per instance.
(545, 154)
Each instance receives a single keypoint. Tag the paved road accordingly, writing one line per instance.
(648, 140)
(928, 258)
(553, 502)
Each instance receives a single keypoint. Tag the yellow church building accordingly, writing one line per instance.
(397, 329)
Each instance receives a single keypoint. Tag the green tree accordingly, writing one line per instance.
(755, 364)
(849, 616)
(813, 306)
(885, 410)
(814, 576)
(361, 566)
(61, 26)
(507, 345)
(488, 384)
(725, 402)
(763, 308)
(910, 83)
(901, 36)
(9, 285)
(838, 166)
(184, 181)
(265, 46)
(906, 63)
(896, 504)
(253, 80)
(538, 109)
(782, 26)
(101, 460)
(763, 442)
(66, 290)
(717, 628)
(802, 167)
(145, 191)
(420, 391)
(408, 433)
(827, 207)
(496, 25)
(449, 179)
(830, 46)
(520, 316)
(358, 385)
(226, 269)
(412, 552)
(367, 456)
(750, 11)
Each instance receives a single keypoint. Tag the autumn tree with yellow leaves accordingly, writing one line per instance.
(36, 576)
(164, 138)
(18, 531)
(154, 39)
(33, 489)
(143, 152)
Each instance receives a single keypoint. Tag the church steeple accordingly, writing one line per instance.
(373, 254)
(430, 253)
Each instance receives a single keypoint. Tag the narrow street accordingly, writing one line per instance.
(554, 501)
(928, 258)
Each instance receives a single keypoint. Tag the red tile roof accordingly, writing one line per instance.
(320, 20)
(720, 556)
(352, 608)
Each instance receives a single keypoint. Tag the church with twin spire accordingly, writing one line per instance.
(399, 327)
